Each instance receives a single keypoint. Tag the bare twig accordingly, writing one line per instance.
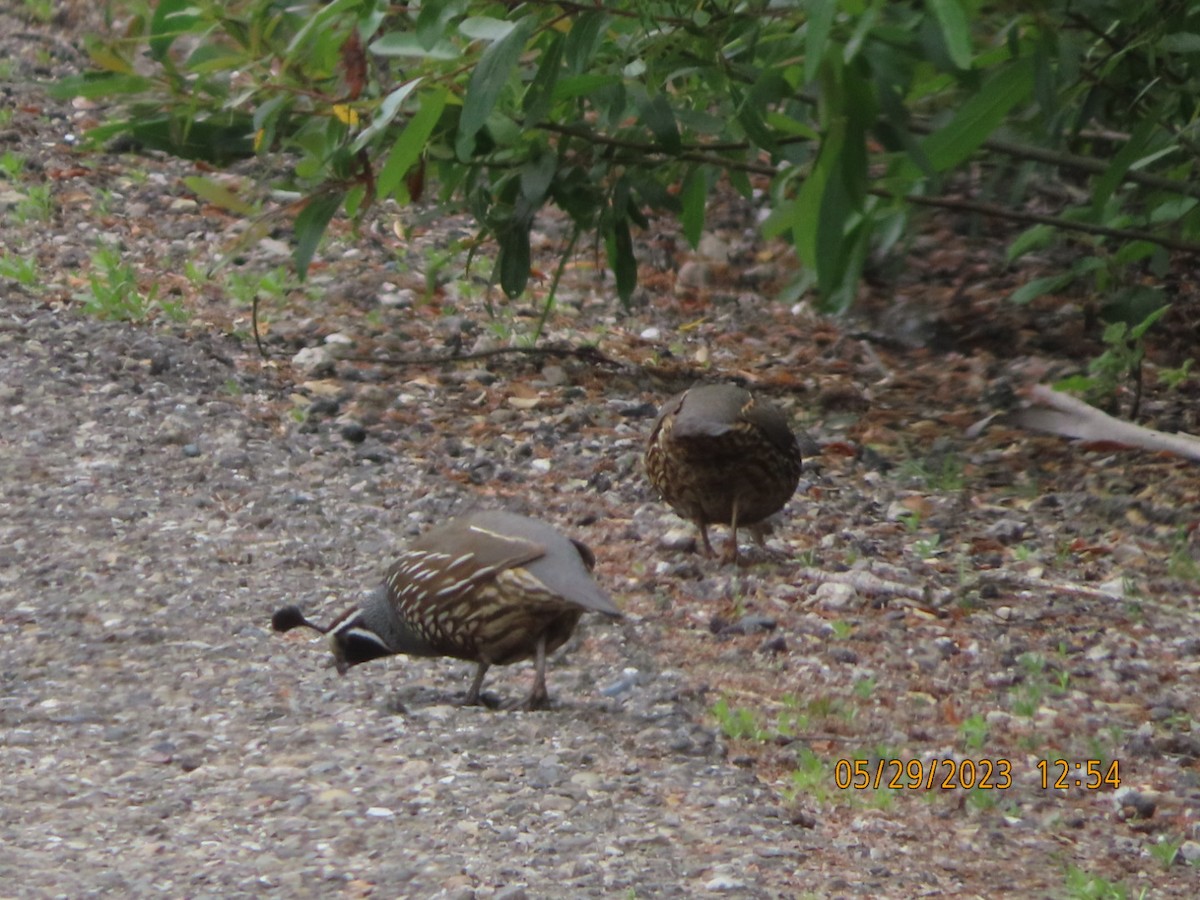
(1018, 215)
(586, 354)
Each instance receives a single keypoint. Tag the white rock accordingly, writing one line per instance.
(832, 595)
(313, 360)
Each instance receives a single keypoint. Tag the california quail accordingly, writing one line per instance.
(718, 455)
(490, 587)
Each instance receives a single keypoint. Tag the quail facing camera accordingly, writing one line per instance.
(719, 455)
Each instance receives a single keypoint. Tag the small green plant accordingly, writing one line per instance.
(974, 731)
(246, 287)
(1022, 553)
(1174, 378)
(982, 799)
(11, 165)
(792, 720)
(1027, 698)
(104, 202)
(841, 629)
(1181, 563)
(811, 777)
(927, 547)
(1083, 885)
(1165, 850)
(826, 707)
(38, 10)
(437, 260)
(1121, 361)
(113, 289)
(864, 688)
(23, 270)
(807, 558)
(36, 206)
(942, 473)
(911, 521)
(738, 723)
(1033, 663)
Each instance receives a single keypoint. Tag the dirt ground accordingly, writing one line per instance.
(949, 599)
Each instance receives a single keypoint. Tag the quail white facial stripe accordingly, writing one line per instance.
(364, 634)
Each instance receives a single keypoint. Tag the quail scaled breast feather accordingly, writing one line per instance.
(719, 455)
(490, 587)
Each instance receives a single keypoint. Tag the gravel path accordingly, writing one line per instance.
(159, 740)
(932, 595)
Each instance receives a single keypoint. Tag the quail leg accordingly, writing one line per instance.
(539, 697)
(731, 552)
(708, 550)
(476, 684)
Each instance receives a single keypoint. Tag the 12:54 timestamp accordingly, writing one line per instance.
(1090, 774)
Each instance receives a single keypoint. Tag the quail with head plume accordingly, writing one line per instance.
(489, 587)
(719, 455)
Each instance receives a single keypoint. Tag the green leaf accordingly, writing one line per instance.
(310, 227)
(749, 116)
(1033, 289)
(657, 115)
(833, 221)
(956, 30)
(806, 212)
(816, 36)
(1033, 238)
(432, 21)
(1180, 42)
(693, 198)
(219, 195)
(979, 116)
(619, 244)
(582, 85)
(1140, 329)
(513, 260)
(318, 20)
(384, 115)
(412, 142)
(536, 176)
(99, 84)
(487, 81)
(168, 22)
(485, 28)
(1103, 187)
(540, 94)
(583, 40)
(407, 44)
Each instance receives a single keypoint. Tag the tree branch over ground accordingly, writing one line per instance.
(853, 120)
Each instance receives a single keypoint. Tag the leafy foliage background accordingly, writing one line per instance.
(1077, 119)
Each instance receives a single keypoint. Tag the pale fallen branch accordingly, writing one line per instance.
(1179, 607)
(868, 583)
(1067, 416)
(1043, 588)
